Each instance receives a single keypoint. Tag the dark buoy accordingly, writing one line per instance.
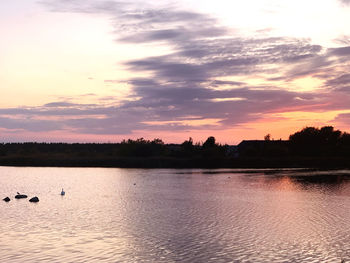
(19, 196)
(7, 199)
(35, 199)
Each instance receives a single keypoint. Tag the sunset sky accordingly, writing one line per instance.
(103, 71)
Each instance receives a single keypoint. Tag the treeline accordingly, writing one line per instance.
(309, 147)
(128, 153)
(127, 148)
(309, 142)
(325, 141)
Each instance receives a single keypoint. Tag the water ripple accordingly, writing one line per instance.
(134, 215)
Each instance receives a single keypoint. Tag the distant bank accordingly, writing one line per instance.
(166, 162)
(311, 147)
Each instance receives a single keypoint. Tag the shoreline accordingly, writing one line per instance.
(180, 163)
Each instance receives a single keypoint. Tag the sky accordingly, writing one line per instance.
(104, 70)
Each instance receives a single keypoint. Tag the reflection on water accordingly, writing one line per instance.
(135, 215)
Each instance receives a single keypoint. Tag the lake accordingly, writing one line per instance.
(170, 215)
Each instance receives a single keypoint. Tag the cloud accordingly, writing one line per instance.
(206, 75)
(27, 124)
(207, 59)
(160, 106)
(343, 40)
(339, 81)
(60, 104)
(345, 2)
(84, 6)
(342, 51)
(342, 119)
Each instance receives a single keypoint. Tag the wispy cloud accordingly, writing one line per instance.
(346, 2)
(206, 74)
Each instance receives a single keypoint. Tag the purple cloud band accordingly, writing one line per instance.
(188, 81)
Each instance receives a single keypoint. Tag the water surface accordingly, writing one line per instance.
(136, 215)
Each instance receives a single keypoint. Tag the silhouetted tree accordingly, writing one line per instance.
(267, 137)
(210, 142)
(188, 147)
(344, 144)
(312, 141)
(141, 147)
(211, 149)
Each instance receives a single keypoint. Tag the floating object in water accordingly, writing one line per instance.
(63, 192)
(7, 199)
(134, 183)
(35, 199)
(20, 196)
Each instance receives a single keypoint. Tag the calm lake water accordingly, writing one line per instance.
(136, 215)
